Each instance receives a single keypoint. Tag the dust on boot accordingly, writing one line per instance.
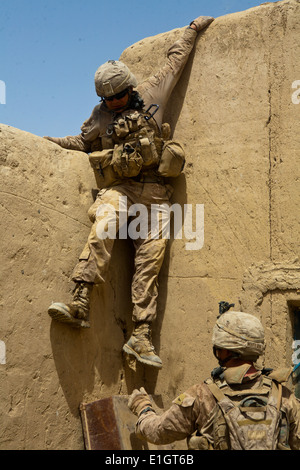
(76, 313)
(141, 347)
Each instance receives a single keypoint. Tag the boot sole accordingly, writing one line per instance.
(131, 351)
(58, 312)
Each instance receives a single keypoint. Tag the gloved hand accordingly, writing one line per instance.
(195, 442)
(201, 22)
(56, 140)
(138, 401)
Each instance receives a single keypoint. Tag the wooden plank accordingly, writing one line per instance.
(108, 424)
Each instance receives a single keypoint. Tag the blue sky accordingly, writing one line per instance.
(50, 50)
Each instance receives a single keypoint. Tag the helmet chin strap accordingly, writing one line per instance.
(223, 362)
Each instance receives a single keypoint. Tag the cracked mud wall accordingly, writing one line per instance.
(232, 110)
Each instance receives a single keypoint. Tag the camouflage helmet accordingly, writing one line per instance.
(239, 332)
(112, 78)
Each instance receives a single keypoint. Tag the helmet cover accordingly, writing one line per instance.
(239, 332)
(112, 78)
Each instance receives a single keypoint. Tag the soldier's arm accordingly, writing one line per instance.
(187, 414)
(71, 142)
(175, 424)
(85, 140)
(293, 407)
(158, 88)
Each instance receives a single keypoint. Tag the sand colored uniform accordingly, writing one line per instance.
(132, 153)
(147, 189)
(195, 409)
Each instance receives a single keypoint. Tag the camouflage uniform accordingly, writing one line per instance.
(147, 188)
(194, 410)
(239, 407)
(149, 253)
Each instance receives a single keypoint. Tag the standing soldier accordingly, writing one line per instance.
(241, 407)
(131, 151)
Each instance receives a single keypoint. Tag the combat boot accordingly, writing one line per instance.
(141, 347)
(76, 313)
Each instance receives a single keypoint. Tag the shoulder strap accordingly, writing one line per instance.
(220, 389)
(215, 388)
(277, 393)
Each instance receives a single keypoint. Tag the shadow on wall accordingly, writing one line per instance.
(147, 376)
(176, 100)
(89, 361)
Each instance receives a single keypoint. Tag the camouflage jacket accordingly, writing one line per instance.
(193, 411)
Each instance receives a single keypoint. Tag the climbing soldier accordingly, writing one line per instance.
(131, 151)
(240, 407)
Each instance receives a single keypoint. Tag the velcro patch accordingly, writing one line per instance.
(184, 400)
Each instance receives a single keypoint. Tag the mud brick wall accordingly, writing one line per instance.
(233, 111)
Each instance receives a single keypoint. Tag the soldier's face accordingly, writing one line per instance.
(116, 103)
(222, 354)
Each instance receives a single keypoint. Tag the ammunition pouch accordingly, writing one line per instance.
(126, 161)
(132, 145)
(150, 148)
(141, 146)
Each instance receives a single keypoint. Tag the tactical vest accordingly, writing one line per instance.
(134, 147)
(248, 419)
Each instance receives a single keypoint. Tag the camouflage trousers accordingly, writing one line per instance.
(148, 251)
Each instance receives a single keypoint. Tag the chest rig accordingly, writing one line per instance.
(245, 417)
(136, 142)
(133, 145)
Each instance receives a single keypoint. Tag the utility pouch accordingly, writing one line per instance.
(104, 173)
(121, 128)
(147, 148)
(126, 161)
(128, 125)
(135, 122)
(172, 159)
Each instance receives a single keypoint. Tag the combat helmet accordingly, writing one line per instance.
(112, 78)
(241, 333)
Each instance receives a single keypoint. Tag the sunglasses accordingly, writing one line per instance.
(118, 96)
